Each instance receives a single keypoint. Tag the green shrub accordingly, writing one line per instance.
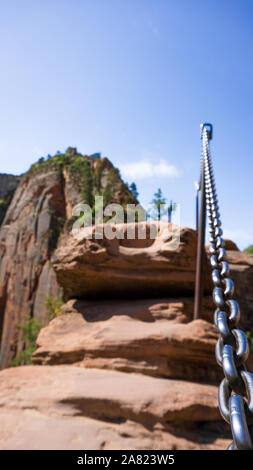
(81, 170)
(31, 330)
(107, 195)
(58, 161)
(249, 250)
(53, 307)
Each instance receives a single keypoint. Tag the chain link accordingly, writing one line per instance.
(236, 389)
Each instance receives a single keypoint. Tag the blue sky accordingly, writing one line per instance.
(133, 80)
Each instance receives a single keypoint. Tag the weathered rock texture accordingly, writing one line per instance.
(93, 268)
(39, 220)
(8, 184)
(65, 407)
(230, 245)
(157, 339)
(38, 214)
(111, 371)
(124, 268)
(27, 240)
(146, 338)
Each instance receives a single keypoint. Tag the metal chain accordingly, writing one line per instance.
(236, 389)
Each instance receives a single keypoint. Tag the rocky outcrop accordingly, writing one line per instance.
(230, 245)
(152, 338)
(36, 221)
(27, 239)
(97, 409)
(134, 339)
(157, 339)
(124, 365)
(39, 220)
(99, 268)
(92, 268)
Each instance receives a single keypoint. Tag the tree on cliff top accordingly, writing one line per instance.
(133, 189)
(158, 205)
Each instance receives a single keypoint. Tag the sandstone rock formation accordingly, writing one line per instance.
(230, 245)
(27, 239)
(65, 407)
(157, 339)
(93, 268)
(124, 365)
(36, 221)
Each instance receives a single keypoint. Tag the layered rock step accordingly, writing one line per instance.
(90, 268)
(56, 407)
(124, 267)
(146, 336)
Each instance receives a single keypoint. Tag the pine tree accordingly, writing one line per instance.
(158, 209)
(133, 189)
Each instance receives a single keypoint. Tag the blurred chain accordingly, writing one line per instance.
(236, 389)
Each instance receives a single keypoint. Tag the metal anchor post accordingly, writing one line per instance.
(199, 281)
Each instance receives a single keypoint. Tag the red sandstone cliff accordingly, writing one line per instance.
(37, 217)
(124, 365)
